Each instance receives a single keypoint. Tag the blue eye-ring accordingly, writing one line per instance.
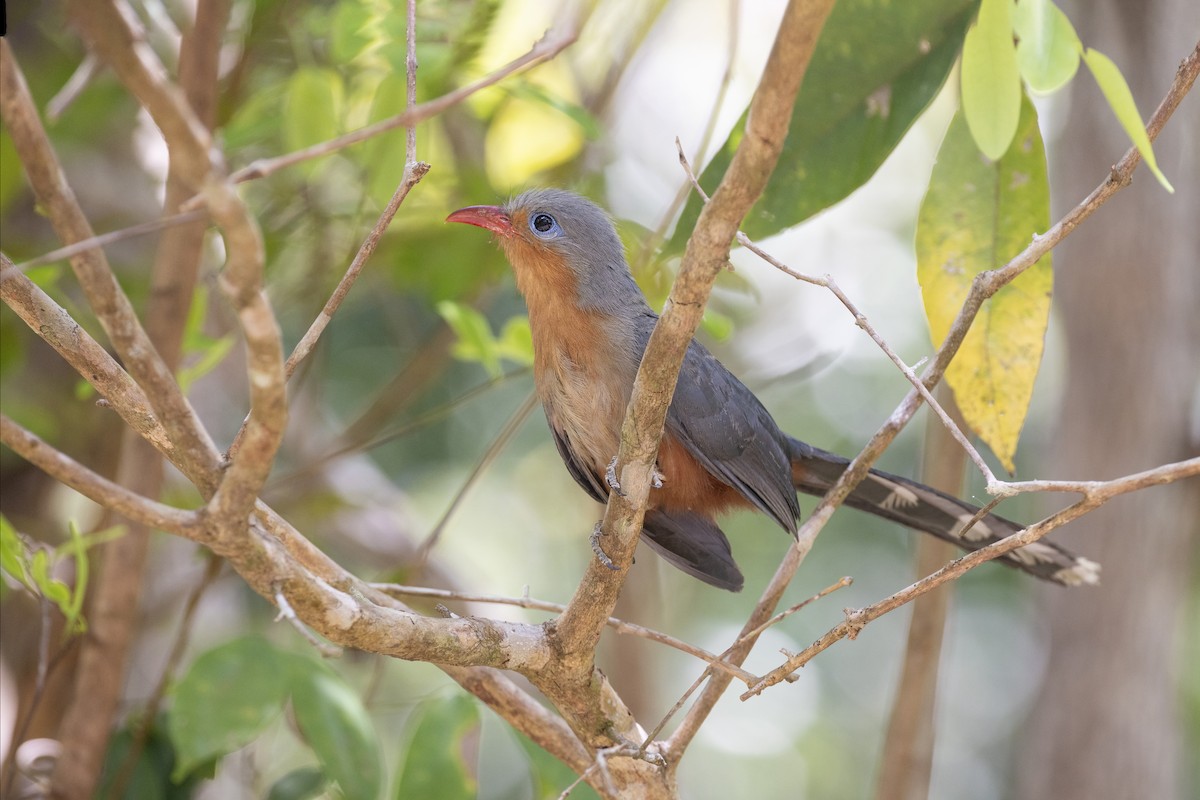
(543, 225)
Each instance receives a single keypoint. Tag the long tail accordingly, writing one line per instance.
(926, 509)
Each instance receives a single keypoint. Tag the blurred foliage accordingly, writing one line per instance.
(434, 315)
(33, 567)
(876, 68)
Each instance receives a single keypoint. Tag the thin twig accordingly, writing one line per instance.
(723, 664)
(326, 649)
(410, 75)
(550, 45)
(509, 429)
(105, 239)
(856, 620)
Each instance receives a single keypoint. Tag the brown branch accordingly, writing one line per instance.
(618, 625)
(107, 25)
(413, 173)
(108, 301)
(241, 281)
(707, 252)
(856, 620)
(112, 237)
(95, 487)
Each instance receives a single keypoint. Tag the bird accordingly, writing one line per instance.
(721, 449)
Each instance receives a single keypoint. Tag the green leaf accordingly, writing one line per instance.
(14, 557)
(476, 342)
(1120, 99)
(349, 32)
(312, 106)
(299, 784)
(336, 725)
(52, 589)
(211, 351)
(991, 82)
(73, 611)
(977, 215)
(876, 68)
(442, 752)
(230, 694)
(516, 341)
(1049, 49)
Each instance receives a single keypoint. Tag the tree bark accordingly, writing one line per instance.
(1106, 724)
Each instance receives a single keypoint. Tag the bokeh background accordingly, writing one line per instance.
(393, 413)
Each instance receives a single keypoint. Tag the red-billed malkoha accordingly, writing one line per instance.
(721, 449)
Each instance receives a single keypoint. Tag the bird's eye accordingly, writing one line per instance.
(543, 225)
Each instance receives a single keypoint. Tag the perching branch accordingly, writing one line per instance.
(707, 252)
(855, 621)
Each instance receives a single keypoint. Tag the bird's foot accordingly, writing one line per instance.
(610, 477)
(597, 532)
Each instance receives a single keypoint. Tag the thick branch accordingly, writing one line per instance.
(104, 294)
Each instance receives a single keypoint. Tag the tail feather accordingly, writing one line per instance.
(919, 506)
(695, 545)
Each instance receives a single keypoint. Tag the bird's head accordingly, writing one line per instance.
(562, 247)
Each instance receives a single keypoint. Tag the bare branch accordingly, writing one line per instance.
(618, 625)
(856, 620)
(105, 239)
(104, 294)
(68, 471)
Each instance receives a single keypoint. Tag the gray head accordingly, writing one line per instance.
(561, 246)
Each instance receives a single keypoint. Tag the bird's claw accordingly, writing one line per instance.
(597, 532)
(610, 477)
